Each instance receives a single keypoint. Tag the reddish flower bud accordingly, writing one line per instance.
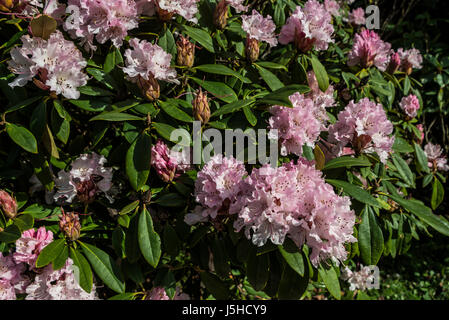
(201, 110)
(252, 49)
(8, 204)
(221, 14)
(150, 88)
(394, 64)
(186, 52)
(69, 224)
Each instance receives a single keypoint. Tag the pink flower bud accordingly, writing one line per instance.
(394, 64)
(8, 204)
(161, 161)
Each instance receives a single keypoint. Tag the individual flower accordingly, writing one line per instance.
(258, 29)
(218, 187)
(297, 126)
(358, 280)
(369, 50)
(364, 126)
(308, 27)
(101, 20)
(30, 245)
(8, 204)
(85, 180)
(293, 200)
(61, 284)
(54, 64)
(357, 17)
(147, 61)
(410, 105)
(435, 157)
(186, 52)
(410, 59)
(168, 164)
(332, 7)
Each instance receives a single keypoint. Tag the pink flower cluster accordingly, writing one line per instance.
(272, 203)
(410, 59)
(297, 126)
(308, 27)
(56, 61)
(358, 279)
(293, 200)
(365, 126)
(86, 178)
(168, 164)
(30, 8)
(368, 50)
(410, 105)
(38, 284)
(101, 20)
(185, 8)
(435, 157)
(321, 99)
(148, 61)
(237, 5)
(218, 187)
(357, 17)
(332, 7)
(259, 28)
(159, 293)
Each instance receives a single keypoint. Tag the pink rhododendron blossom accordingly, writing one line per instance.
(86, 178)
(410, 105)
(435, 156)
(158, 293)
(395, 62)
(332, 7)
(259, 28)
(410, 59)
(321, 99)
(101, 20)
(58, 285)
(168, 164)
(297, 126)
(357, 17)
(358, 279)
(30, 244)
(57, 62)
(237, 5)
(148, 60)
(308, 27)
(7, 291)
(218, 188)
(294, 201)
(29, 9)
(185, 8)
(10, 270)
(368, 50)
(365, 126)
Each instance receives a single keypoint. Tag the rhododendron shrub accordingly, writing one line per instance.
(116, 162)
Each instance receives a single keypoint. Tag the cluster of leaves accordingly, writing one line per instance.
(141, 240)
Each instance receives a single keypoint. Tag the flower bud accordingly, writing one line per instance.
(150, 88)
(395, 62)
(7, 5)
(8, 204)
(252, 49)
(69, 224)
(161, 160)
(221, 14)
(201, 110)
(186, 52)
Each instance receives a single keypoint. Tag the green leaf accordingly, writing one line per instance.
(215, 286)
(113, 58)
(23, 104)
(320, 73)
(132, 249)
(347, 162)
(172, 242)
(84, 275)
(38, 120)
(330, 279)
(94, 91)
(252, 119)
(149, 240)
(272, 81)
(371, 240)
(223, 70)
(217, 89)
(292, 286)
(171, 200)
(138, 160)
(281, 96)
(421, 158)
(404, 170)
(10, 234)
(130, 207)
(401, 146)
(94, 106)
(355, 192)
(220, 258)
(258, 270)
(167, 42)
(104, 266)
(50, 252)
(61, 259)
(21, 136)
(437, 194)
(271, 65)
(24, 222)
(166, 130)
(116, 116)
(173, 111)
(60, 126)
(103, 78)
(200, 36)
(232, 107)
(293, 257)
